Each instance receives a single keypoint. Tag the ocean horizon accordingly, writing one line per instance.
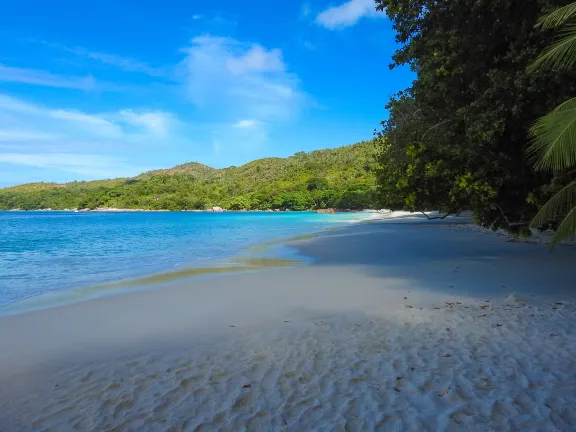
(58, 251)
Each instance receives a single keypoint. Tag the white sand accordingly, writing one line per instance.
(396, 326)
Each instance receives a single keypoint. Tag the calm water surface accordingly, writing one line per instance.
(47, 251)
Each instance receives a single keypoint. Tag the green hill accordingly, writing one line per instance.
(341, 177)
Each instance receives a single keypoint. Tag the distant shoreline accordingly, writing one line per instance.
(125, 210)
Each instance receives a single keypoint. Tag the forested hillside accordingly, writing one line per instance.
(342, 177)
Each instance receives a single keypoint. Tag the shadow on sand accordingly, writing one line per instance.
(439, 257)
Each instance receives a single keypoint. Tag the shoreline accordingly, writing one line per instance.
(396, 325)
(246, 261)
(155, 281)
(240, 263)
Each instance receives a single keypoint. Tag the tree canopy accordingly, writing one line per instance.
(457, 139)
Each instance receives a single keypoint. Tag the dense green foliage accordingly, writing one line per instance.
(555, 133)
(458, 138)
(341, 177)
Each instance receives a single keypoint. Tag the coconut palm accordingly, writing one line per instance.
(554, 135)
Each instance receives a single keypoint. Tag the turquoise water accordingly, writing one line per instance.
(47, 251)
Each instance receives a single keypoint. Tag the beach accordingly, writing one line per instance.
(398, 325)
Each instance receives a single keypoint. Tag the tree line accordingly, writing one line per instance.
(335, 178)
(462, 137)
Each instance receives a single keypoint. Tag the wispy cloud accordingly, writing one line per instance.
(346, 14)
(101, 125)
(155, 122)
(92, 145)
(10, 135)
(44, 78)
(227, 79)
(124, 63)
(238, 91)
(256, 59)
(238, 78)
(108, 124)
(92, 165)
(243, 124)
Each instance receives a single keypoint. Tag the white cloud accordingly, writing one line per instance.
(8, 103)
(196, 17)
(109, 124)
(247, 124)
(80, 117)
(256, 59)
(347, 14)
(239, 90)
(93, 165)
(125, 63)
(92, 145)
(305, 10)
(235, 78)
(21, 135)
(121, 62)
(81, 123)
(43, 78)
(155, 122)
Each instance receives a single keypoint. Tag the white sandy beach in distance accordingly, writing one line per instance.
(396, 326)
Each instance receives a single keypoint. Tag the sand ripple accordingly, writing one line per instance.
(461, 366)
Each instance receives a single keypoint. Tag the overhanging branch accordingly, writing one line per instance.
(436, 217)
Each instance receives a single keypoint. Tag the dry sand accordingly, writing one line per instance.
(396, 326)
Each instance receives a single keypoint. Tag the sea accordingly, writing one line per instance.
(46, 252)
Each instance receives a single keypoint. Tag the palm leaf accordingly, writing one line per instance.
(554, 135)
(554, 138)
(556, 206)
(566, 229)
(561, 54)
(557, 17)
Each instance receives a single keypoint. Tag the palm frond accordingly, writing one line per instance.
(566, 229)
(558, 205)
(561, 54)
(554, 138)
(557, 17)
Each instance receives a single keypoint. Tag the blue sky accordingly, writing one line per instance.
(108, 88)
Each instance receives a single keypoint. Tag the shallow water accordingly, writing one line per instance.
(47, 251)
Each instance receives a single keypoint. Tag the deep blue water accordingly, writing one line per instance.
(47, 251)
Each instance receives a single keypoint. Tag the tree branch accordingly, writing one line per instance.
(436, 217)
(504, 215)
